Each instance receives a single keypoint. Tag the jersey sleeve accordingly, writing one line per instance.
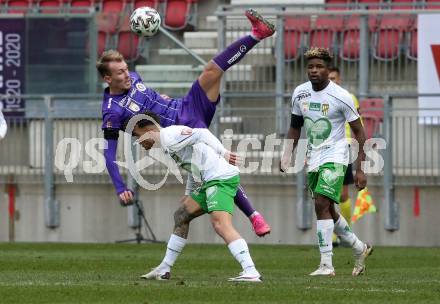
(296, 108)
(111, 120)
(348, 108)
(3, 125)
(176, 138)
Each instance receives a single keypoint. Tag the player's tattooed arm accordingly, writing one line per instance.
(182, 218)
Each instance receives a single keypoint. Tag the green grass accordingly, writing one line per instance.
(109, 273)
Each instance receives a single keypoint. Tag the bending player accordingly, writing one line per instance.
(127, 96)
(200, 153)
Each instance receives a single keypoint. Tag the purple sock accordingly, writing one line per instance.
(242, 202)
(235, 52)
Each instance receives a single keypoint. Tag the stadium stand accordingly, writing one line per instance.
(50, 6)
(294, 36)
(326, 30)
(150, 3)
(127, 43)
(178, 13)
(372, 115)
(389, 36)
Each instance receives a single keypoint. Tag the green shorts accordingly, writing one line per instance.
(327, 180)
(217, 195)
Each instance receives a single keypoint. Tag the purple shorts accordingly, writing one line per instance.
(196, 111)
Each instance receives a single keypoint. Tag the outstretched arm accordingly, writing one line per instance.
(111, 135)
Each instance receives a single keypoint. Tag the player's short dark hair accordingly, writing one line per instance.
(155, 119)
(334, 69)
(106, 57)
(320, 53)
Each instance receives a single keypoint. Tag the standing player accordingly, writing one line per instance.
(127, 96)
(323, 107)
(200, 153)
(3, 125)
(345, 201)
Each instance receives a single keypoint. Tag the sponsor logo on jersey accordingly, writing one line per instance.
(325, 108)
(315, 106)
(301, 95)
(234, 58)
(305, 106)
(141, 87)
(242, 48)
(134, 107)
(132, 92)
(108, 124)
(211, 191)
(109, 104)
(122, 101)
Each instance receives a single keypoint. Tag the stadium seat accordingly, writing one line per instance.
(127, 42)
(177, 14)
(372, 115)
(19, 6)
(432, 4)
(149, 3)
(81, 6)
(389, 37)
(411, 51)
(294, 35)
(371, 4)
(410, 4)
(324, 34)
(50, 6)
(113, 6)
(106, 30)
(333, 5)
(351, 37)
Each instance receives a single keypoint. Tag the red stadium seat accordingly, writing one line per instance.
(294, 30)
(325, 32)
(371, 4)
(333, 5)
(177, 13)
(50, 6)
(372, 115)
(402, 6)
(113, 6)
(149, 3)
(389, 37)
(411, 51)
(106, 29)
(127, 42)
(81, 6)
(351, 37)
(18, 6)
(432, 4)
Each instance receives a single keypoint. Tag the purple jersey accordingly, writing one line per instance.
(118, 109)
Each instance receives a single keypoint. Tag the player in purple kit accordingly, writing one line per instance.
(127, 96)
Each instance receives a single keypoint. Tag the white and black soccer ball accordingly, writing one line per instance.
(145, 21)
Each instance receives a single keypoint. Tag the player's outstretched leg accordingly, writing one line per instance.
(182, 217)
(259, 224)
(361, 250)
(210, 78)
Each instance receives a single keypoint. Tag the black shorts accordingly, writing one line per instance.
(348, 178)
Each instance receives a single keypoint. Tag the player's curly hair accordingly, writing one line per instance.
(105, 59)
(320, 53)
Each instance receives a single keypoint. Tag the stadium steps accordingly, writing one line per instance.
(239, 136)
(182, 76)
(260, 56)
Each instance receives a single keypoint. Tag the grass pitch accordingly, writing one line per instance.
(109, 273)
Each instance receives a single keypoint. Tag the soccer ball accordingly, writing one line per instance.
(145, 21)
